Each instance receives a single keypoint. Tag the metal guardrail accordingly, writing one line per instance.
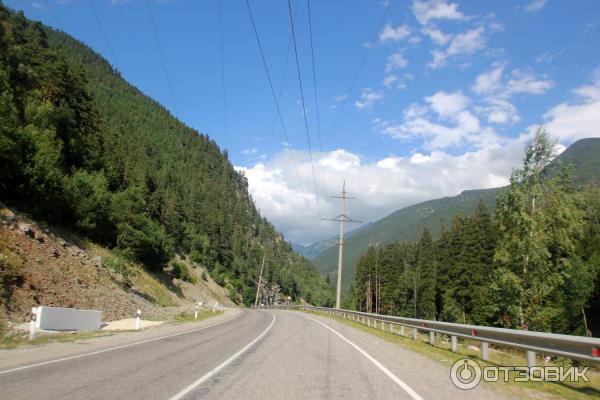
(569, 346)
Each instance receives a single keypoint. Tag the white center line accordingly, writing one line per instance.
(379, 365)
(219, 367)
(112, 348)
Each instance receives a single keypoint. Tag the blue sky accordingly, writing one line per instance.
(445, 101)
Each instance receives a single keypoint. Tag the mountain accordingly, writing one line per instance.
(84, 150)
(406, 225)
(313, 250)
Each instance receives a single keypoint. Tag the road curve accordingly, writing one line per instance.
(260, 354)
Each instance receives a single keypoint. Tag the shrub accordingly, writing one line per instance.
(181, 271)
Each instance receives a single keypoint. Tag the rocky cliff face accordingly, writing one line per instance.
(42, 265)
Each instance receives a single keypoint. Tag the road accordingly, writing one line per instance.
(252, 355)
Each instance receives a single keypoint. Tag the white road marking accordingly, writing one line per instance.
(111, 348)
(379, 365)
(218, 368)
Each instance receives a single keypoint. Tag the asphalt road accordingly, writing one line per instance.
(255, 355)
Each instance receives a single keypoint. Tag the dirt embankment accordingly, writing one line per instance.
(42, 265)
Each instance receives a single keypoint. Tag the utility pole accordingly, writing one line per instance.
(341, 219)
(259, 280)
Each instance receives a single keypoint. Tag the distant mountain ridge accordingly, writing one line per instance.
(407, 223)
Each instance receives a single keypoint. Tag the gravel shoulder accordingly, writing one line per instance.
(26, 355)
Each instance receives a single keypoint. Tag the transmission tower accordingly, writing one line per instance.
(341, 219)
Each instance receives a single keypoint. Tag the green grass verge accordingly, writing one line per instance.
(189, 317)
(442, 354)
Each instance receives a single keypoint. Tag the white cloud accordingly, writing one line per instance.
(535, 6)
(389, 80)
(389, 33)
(447, 104)
(368, 98)
(490, 81)
(526, 82)
(548, 56)
(464, 43)
(426, 11)
(499, 111)
(380, 186)
(467, 42)
(436, 35)
(250, 151)
(577, 119)
(519, 82)
(396, 61)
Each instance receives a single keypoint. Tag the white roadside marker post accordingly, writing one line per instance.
(196, 312)
(137, 319)
(32, 323)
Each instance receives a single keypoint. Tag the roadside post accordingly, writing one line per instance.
(137, 319)
(32, 327)
(196, 311)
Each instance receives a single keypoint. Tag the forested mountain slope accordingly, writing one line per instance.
(406, 224)
(83, 149)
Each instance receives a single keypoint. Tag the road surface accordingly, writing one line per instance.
(251, 355)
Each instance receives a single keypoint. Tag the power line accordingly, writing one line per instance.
(312, 52)
(358, 70)
(223, 74)
(54, 15)
(289, 145)
(312, 164)
(112, 53)
(283, 76)
(162, 58)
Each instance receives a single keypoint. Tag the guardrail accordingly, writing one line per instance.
(569, 346)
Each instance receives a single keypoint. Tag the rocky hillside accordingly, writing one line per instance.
(43, 265)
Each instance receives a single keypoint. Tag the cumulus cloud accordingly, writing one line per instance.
(380, 186)
(579, 118)
(526, 82)
(389, 33)
(464, 43)
(497, 91)
(368, 98)
(448, 104)
(396, 61)
(426, 11)
(489, 81)
(459, 125)
(436, 35)
(389, 80)
(535, 6)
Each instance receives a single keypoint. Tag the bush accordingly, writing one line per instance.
(204, 276)
(181, 271)
(121, 266)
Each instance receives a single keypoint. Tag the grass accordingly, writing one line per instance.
(189, 317)
(442, 354)
(9, 342)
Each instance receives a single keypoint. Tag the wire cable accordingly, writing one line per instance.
(358, 70)
(289, 145)
(223, 74)
(312, 164)
(53, 14)
(112, 53)
(162, 58)
(312, 53)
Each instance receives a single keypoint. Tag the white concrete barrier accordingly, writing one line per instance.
(67, 319)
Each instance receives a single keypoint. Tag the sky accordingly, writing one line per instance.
(407, 101)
